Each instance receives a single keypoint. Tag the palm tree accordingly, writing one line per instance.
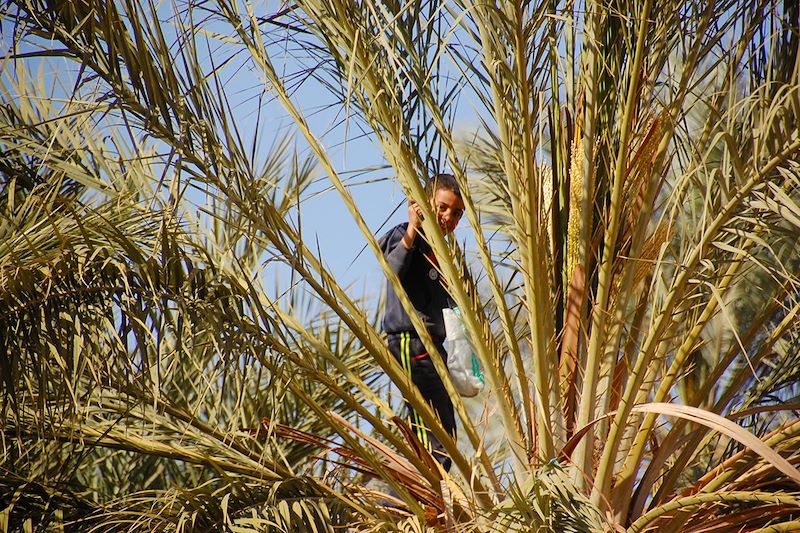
(632, 204)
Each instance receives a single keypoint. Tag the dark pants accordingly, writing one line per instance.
(412, 356)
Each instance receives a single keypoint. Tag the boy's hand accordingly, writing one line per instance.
(414, 223)
(415, 216)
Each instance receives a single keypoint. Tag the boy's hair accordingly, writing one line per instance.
(442, 181)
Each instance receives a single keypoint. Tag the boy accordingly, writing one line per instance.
(412, 259)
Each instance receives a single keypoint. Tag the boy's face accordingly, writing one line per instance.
(448, 207)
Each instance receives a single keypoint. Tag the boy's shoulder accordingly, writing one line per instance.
(399, 228)
(394, 233)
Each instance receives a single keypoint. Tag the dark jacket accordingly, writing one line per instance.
(421, 281)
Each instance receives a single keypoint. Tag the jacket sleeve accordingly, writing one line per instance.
(396, 254)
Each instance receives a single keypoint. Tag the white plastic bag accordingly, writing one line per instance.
(464, 367)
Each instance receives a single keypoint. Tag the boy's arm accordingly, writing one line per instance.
(414, 223)
(398, 245)
(398, 256)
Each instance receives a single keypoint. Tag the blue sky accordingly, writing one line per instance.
(326, 223)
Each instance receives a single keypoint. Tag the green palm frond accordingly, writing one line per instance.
(548, 501)
(291, 504)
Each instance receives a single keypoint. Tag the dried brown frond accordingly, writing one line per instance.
(569, 359)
